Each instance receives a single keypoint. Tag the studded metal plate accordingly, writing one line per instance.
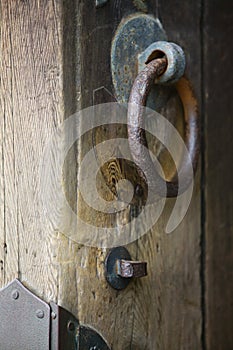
(28, 323)
(24, 319)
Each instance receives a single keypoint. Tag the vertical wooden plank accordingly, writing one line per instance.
(218, 129)
(9, 189)
(162, 311)
(2, 198)
(112, 312)
(31, 93)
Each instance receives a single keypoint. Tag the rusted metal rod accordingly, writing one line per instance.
(137, 136)
(129, 269)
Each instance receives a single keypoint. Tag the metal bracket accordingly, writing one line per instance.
(133, 35)
(28, 323)
(25, 319)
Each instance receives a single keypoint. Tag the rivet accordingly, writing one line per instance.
(15, 294)
(71, 326)
(40, 313)
(53, 315)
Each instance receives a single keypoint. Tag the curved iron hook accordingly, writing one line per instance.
(137, 136)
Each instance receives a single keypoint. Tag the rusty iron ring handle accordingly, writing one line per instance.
(137, 136)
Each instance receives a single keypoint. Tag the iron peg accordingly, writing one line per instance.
(120, 269)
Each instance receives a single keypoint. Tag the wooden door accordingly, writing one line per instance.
(54, 54)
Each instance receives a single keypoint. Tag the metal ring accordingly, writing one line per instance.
(137, 136)
(175, 60)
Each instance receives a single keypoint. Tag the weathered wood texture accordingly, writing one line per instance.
(162, 311)
(31, 107)
(53, 56)
(218, 167)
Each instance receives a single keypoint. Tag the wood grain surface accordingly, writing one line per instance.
(218, 194)
(31, 104)
(54, 54)
(163, 310)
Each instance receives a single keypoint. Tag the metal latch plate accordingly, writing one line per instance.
(24, 319)
(28, 323)
(133, 35)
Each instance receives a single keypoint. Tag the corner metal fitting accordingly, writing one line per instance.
(27, 322)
